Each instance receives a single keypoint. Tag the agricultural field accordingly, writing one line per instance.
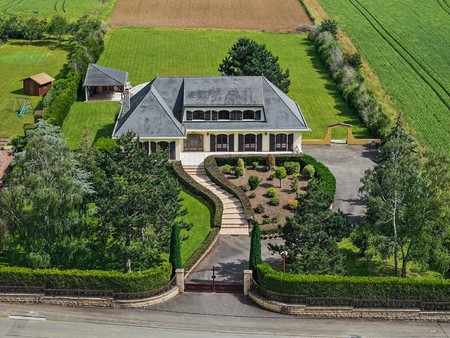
(146, 53)
(19, 60)
(269, 15)
(43, 9)
(407, 45)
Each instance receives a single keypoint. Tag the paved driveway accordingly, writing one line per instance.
(348, 164)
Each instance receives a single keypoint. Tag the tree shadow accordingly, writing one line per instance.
(105, 131)
(357, 265)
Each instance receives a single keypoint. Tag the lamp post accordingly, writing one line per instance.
(284, 255)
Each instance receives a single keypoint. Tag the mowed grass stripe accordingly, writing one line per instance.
(146, 53)
(419, 28)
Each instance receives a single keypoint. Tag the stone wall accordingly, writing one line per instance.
(348, 312)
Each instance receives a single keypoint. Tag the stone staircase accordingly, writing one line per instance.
(233, 218)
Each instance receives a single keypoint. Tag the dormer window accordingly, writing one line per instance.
(224, 115)
(249, 115)
(198, 115)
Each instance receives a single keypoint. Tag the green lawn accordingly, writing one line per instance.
(95, 118)
(18, 61)
(44, 9)
(407, 45)
(200, 216)
(146, 53)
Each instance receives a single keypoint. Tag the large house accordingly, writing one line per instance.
(213, 114)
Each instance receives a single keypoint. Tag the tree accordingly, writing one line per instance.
(329, 26)
(175, 247)
(280, 173)
(137, 202)
(247, 57)
(255, 247)
(405, 212)
(311, 236)
(43, 203)
(33, 29)
(58, 27)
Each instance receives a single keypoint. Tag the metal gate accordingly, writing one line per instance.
(214, 280)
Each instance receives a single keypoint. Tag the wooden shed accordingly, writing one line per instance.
(38, 84)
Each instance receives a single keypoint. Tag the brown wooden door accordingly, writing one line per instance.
(194, 142)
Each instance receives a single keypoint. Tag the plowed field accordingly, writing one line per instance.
(269, 15)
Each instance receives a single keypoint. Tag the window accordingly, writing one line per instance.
(222, 142)
(198, 115)
(224, 115)
(250, 142)
(163, 145)
(281, 142)
(249, 115)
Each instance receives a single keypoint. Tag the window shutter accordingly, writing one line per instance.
(241, 143)
(238, 115)
(189, 115)
(233, 115)
(214, 115)
(272, 142)
(153, 147)
(291, 142)
(208, 115)
(258, 115)
(172, 155)
(212, 142)
(259, 142)
(231, 142)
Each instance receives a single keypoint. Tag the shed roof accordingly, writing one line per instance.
(41, 78)
(103, 76)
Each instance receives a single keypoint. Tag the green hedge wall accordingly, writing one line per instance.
(140, 281)
(212, 201)
(323, 174)
(370, 288)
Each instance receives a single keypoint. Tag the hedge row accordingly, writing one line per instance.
(216, 175)
(201, 249)
(350, 82)
(212, 201)
(140, 281)
(364, 288)
(323, 174)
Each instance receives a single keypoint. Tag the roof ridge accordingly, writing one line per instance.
(165, 106)
(108, 75)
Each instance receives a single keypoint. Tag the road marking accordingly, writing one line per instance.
(26, 318)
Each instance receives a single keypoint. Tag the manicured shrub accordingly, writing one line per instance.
(309, 171)
(270, 161)
(240, 163)
(291, 167)
(266, 220)
(252, 195)
(294, 185)
(271, 192)
(255, 165)
(275, 219)
(280, 173)
(260, 209)
(292, 204)
(239, 172)
(226, 168)
(275, 201)
(245, 187)
(255, 248)
(253, 182)
(295, 176)
(175, 247)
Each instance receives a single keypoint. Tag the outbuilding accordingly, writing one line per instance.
(105, 84)
(37, 85)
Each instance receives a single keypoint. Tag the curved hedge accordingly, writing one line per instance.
(212, 201)
(213, 162)
(141, 281)
(367, 288)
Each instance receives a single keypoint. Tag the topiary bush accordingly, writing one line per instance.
(260, 209)
(309, 171)
(226, 168)
(253, 182)
(292, 204)
(271, 192)
(240, 163)
(245, 187)
(239, 172)
(270, 161)
(255, 165)
(275, 201)
(291, 167)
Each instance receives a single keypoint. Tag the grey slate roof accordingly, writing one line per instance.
(156, 111)
(102, 76)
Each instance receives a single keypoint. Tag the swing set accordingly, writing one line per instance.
(21, 105)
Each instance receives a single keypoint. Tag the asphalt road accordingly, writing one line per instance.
(195, 315)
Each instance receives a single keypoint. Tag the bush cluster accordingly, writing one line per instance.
(368, 288)
(212, 201)
(253, 182)
(343, 68)
(140, 281)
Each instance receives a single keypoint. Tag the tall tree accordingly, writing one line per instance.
(58, 27)
(255, 247)
(404, 210)
(175, 247)
(33, 29)
(247, 57)
(43, 201)
(137, 201)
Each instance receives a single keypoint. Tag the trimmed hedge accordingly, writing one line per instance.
(212, 201)
(201, 249)
(217, 176)
(323, 174)
(363, 288)
(140, 281)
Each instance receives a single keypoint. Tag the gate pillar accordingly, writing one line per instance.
(179, 277)
(247, 281)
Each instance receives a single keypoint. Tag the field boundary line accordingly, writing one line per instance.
(447, 10)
